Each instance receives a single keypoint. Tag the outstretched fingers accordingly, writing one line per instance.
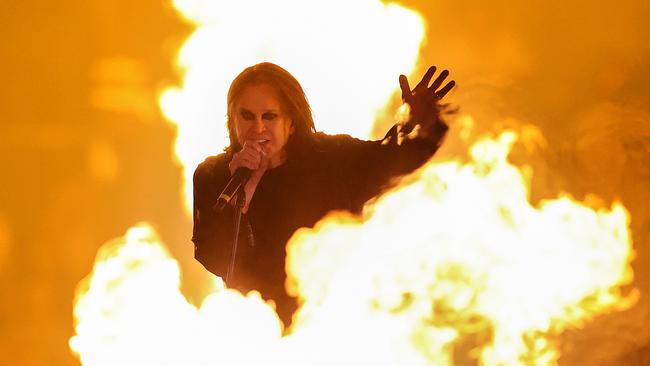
(442, 92)
(426, 78)
(423, 88)
(404, 85)
(439, 80)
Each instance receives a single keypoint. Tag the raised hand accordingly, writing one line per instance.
(424, 101)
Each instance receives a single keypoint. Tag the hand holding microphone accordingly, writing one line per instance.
(246, 169)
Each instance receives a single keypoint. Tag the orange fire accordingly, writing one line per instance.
(130, 311)
(453, 265)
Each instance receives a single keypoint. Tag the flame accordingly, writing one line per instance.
(346, 55)
(451, 267)
(130, 311)
(456, 265)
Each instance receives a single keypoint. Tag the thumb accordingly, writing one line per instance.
(404, 85)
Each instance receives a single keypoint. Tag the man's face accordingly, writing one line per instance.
(259, 117)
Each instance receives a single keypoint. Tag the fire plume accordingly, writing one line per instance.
(130, 311)
(454, 266)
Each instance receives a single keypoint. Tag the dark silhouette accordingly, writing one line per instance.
(298, 174)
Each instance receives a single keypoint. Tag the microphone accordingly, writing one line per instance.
(234, 186)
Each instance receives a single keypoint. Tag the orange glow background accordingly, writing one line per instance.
(86, 152)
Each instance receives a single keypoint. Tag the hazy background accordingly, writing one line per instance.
(86, 154)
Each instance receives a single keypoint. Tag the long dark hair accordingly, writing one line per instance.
(292, 100)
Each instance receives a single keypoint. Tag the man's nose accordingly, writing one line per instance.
(259, 126)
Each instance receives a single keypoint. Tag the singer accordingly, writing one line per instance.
(297, 174)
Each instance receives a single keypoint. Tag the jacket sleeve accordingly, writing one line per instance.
(369, 167)
(212, 233)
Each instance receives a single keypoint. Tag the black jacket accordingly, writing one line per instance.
(336, 173)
